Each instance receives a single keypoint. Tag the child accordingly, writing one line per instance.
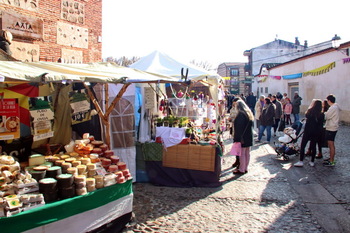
(287, 111)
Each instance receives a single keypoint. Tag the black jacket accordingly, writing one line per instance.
(243, 129)
(314, 126)
(268, 115)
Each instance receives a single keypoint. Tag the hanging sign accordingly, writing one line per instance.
(42, 117)
(9, 119)
(149, 98)
(80, 104)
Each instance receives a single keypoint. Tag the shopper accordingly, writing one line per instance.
(287, 111)
(278, 113)
(243, 133)
(266, 120)
(322, 141)
(296, 102)
(312, 132)
(258, 110)
(251, 101)
(233, 114)
(332, 125)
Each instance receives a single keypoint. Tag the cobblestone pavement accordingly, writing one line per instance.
(269, 198)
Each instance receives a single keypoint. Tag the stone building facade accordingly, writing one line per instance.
(68, 31)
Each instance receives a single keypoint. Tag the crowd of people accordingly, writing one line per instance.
(273, 113)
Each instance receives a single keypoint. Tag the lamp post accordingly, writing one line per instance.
(336, 41)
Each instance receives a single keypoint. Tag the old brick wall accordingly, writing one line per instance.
(71, 29)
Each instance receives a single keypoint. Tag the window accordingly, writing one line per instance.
(261, 90)
(266, 90)
(234, 72)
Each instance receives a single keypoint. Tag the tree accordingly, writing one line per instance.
(203, 64)
(123, 61)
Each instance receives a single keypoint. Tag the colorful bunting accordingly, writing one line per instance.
(346, 60)
(321, 70)
(262, 78)
(275, 77)
(292, 76)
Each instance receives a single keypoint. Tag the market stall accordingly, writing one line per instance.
(95, 187)
(193, 104)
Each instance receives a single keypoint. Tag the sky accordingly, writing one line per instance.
(215, 31)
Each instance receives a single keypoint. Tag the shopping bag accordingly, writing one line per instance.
(236, 149)
(282, 125)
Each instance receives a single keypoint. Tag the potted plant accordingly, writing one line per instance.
(188, 132)
(166, 121)
(171, 120)
(183, 121)
(159, 122)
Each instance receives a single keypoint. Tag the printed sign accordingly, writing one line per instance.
(80, 104)
(42, 117)
(9, 119)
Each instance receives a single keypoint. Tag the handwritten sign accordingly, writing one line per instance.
(149, 98)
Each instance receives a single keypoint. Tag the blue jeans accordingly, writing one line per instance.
(296, 117)
(268, 132)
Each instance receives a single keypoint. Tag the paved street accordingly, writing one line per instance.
(273, 196)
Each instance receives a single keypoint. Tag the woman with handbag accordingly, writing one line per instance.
(243, 134)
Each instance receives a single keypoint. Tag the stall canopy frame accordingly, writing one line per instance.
(16, 72)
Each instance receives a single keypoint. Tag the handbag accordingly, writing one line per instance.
(236, 149)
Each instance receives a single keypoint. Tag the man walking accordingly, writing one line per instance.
(332, 125)
(296, 102)
(278, 113)
(251, 101)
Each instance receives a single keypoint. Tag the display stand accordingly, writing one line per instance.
(178, 177)
(78, 214)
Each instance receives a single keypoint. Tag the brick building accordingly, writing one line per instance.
(237, 79)
(54, 30)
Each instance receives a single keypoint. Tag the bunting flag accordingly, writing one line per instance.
(292, 76)
(346, 60)
(320, 70)
(261, 78)
(275, 77)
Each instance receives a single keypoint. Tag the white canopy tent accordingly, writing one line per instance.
(162, 64)
(92, 72)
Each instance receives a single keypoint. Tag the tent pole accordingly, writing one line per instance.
(107, 123)
(117, 98)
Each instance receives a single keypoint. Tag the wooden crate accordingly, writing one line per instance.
(194, 157)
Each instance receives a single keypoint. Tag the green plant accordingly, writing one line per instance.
(159, 121)
(166, 121)
(183, 121)
(189, 131)
(171, 119)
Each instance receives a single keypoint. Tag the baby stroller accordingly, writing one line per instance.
(288, 143)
